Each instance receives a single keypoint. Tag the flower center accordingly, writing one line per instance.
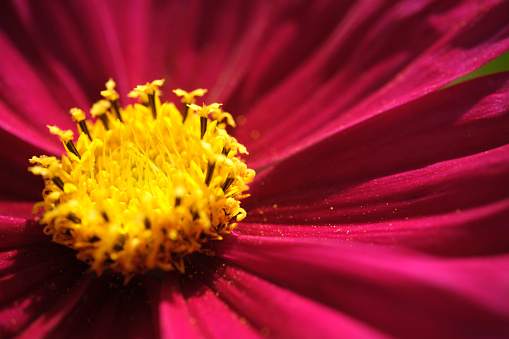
(144, 185)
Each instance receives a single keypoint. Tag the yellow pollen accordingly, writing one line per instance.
(141, 192)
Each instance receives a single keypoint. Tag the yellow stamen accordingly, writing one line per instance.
(66, 138)
(112, 96)
(188, 98)
(150, 89)
(78, 116)
(220, 115)
(99, 110)
(145, 193)
(109, 93)
(204, 112)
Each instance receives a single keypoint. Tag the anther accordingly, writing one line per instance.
(150, 90)
(117, 110)
(105, 216)
(210, 171)
(203, 112)
(188, 98)
(195, 215)
(66, 138)
(74, 218)
(227, 183)
(203, 126)
(119, 245)
(104, 120)
(152, 103)
(78, 116)
(84, 129)
(99, 110)
(72, 148)
(185, 110)
(58, 182)
(112, 96)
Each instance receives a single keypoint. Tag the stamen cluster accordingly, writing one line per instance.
(144, 185)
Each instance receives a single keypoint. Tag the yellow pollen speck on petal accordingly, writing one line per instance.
(134, 193)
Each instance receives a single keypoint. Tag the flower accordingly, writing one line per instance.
(381, 199)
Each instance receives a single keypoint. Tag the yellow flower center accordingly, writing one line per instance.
(144, 185)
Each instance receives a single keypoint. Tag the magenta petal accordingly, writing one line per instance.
(22, 309)
(72, 56)
(472, 232)
(343, 85)
(17, 210)
(134, 316)
(20, 232)
(19, 184)
(214, 317)
(225, 301)
(23, 268)
(87, 42)
(430, 208)
(463, 120)
(97, 307)
(34, 271)
(283, 43)
(47, 322)
(26, 105)
(398, 292)
(277, 311)
(174, 317)
(48, 68)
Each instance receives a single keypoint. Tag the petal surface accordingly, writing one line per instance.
(442, 163)
(398, 292)
(49, 295)
(217, 299)
(457, 207)
(281, 312)
(380, 56)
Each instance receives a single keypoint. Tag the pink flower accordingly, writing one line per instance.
(381, 203)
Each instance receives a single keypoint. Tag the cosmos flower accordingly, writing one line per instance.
(380, 203)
